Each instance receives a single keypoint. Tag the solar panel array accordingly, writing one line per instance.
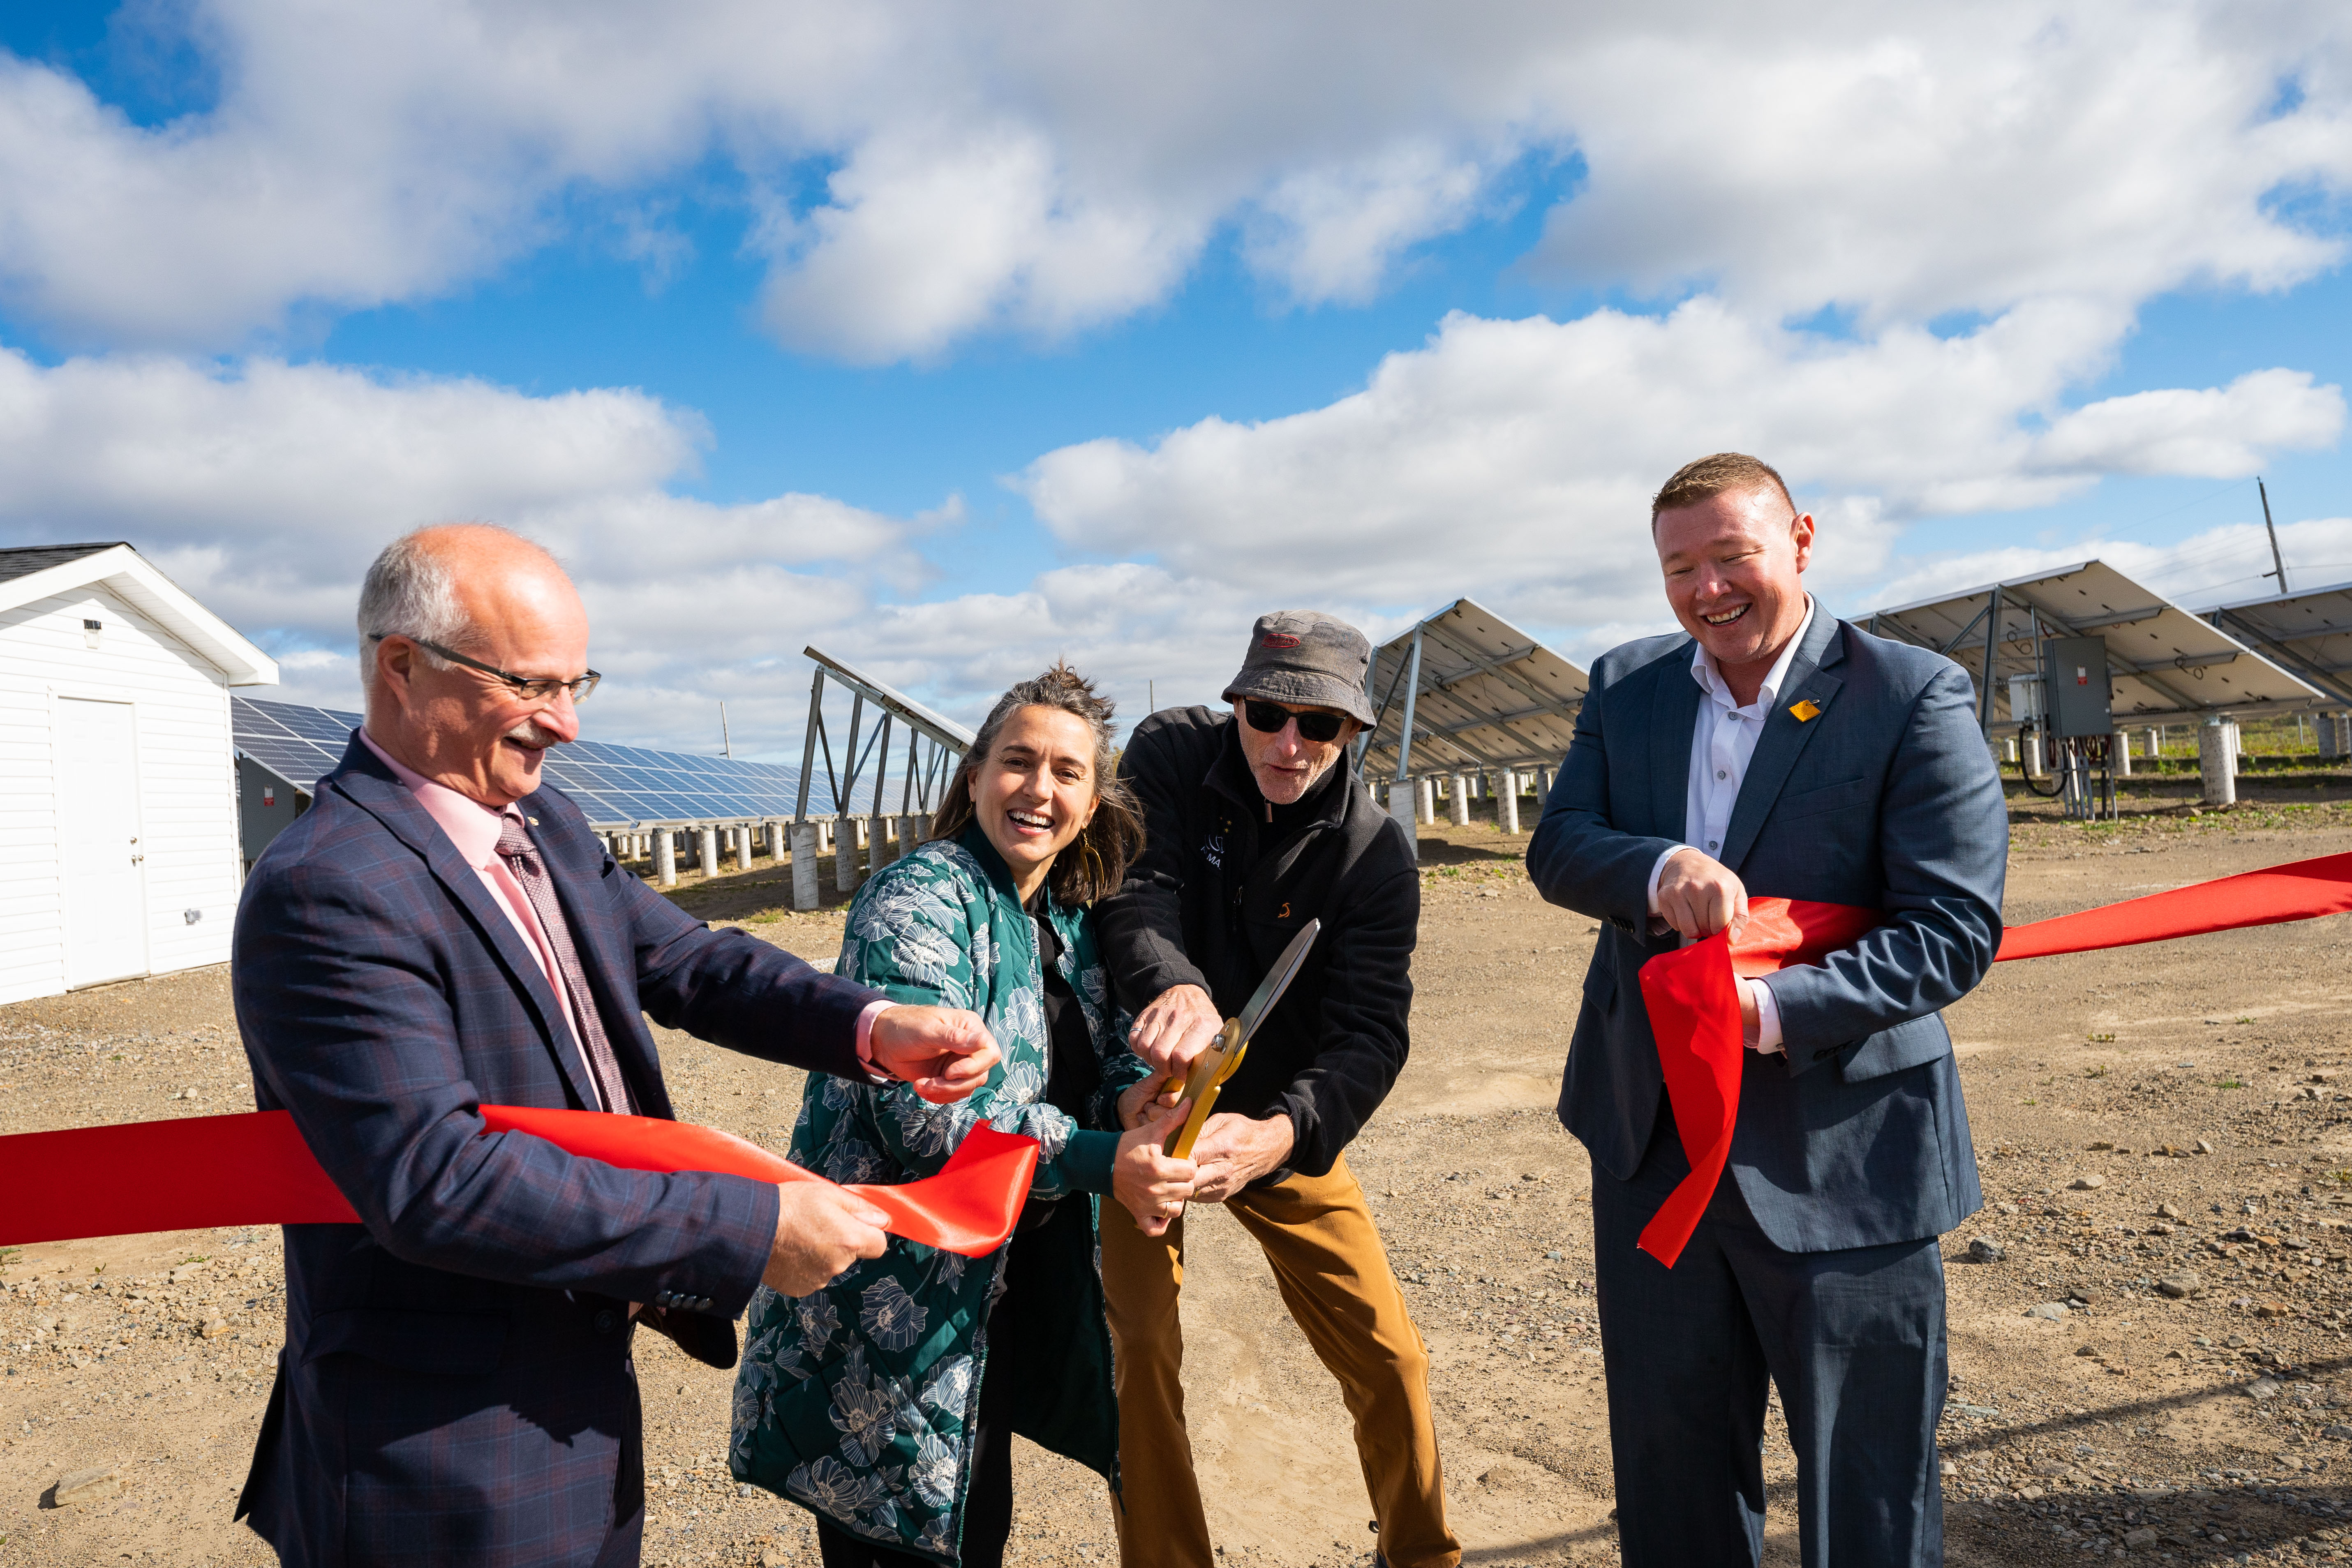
(2162, 662)
(1490, 695)
(617, 786)
(2310, 633)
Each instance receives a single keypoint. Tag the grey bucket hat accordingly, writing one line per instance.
(1301, 656)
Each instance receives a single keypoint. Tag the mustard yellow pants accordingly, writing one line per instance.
(1318, 1235)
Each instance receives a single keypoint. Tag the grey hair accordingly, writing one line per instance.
(410, 591)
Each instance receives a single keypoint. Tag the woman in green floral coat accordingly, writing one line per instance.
(886, 1401)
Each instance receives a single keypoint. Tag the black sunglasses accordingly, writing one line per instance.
(529, 687)
(1271, 717)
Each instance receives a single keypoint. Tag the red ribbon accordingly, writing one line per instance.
(1692, 993)
(254, 1169)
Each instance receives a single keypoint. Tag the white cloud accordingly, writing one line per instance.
(265, 488)
(2219, 432)
(1046, 166)
(1908, 162)
(1529, 449)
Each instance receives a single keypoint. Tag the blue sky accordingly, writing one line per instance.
(962, 342)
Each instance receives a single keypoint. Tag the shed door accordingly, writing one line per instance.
(98, 795)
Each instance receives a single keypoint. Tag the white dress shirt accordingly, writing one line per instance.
(1723, 740)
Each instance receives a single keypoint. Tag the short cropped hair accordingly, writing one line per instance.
(1716, 475)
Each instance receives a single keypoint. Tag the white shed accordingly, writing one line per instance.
(118, 796)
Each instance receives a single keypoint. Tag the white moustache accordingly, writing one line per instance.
(529, 733)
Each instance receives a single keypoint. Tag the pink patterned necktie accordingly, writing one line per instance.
(522, 856)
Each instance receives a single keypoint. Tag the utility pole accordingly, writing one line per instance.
(2277, 560)
(726, 741)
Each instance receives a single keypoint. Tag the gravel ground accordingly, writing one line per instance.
(2153, 1362)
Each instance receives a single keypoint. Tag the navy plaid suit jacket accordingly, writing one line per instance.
(456, 1386)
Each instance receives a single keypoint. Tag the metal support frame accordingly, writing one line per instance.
(1404, 731)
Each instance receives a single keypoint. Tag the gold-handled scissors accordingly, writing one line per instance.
(1213, 1067)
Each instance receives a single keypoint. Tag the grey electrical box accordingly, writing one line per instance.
(2075, 694)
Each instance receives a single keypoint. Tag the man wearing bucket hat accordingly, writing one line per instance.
(1255, 824)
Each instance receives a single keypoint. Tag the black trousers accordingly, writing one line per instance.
(1854, 1339)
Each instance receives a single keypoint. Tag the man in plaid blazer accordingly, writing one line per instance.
(440, 932)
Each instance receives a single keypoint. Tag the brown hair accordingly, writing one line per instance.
(1093, 865)
(1713, 476)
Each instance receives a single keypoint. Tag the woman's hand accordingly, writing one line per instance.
(1151, 1185)
(1141, 1102)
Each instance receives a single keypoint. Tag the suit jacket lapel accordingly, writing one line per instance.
(1785, 735)
(1674, 715)
(577, 864)
(370, 785)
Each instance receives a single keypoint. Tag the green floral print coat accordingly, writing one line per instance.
(855, 1401)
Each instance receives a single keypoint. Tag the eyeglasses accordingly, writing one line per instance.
(1271, 717)
(529, 687)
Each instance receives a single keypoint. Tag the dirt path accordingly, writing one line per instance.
(2124, 1411)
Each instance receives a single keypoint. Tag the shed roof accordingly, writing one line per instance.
(18, 559)
(32, 572)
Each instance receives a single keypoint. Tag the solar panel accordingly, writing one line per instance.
(2310, 633)
(1489, 696)
(2162, 661)
(617, 786)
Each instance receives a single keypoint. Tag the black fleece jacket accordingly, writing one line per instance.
(1213, 902)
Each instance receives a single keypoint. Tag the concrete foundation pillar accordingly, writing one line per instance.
(666, 858)
(2213, 760)
(845, 856)
(825, 837)
(2331, 735)
(2121, 750)
(743, 847)
(1458, 797)
(877, 843)
(2009, 749)
(2154, 742)
(804, 855)
(1508, 800)
(1424, 801)
(910, 833)
(2237, 746)
(707, 843)
(1402, 795)
(2033, 765)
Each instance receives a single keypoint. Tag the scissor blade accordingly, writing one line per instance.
(1277, 980)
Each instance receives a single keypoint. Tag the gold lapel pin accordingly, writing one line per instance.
(1807, 711)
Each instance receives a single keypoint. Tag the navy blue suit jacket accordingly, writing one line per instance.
(1887, 799)
(456, 1386)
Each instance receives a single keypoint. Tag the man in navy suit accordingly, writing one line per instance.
(1776, 749)
(441, 932)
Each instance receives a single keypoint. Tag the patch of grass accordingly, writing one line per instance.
(2229, 1083)
(2341, 1178)
(2101, 1040)
(195, 1257)
(2028, 1102)
(2101, 1070)
(9, 1254)
(2243, 1019)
